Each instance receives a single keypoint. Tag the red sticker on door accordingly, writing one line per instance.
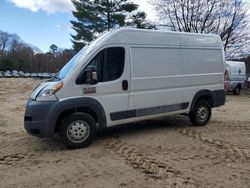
(89, 90)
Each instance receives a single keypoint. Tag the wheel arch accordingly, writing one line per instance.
(239, 85)
(203, 94)
(81, 104)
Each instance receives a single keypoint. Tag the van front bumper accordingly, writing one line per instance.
(38, 118)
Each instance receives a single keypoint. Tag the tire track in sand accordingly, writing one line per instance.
(14, 158)
(232, 125)
(158, 171)
(221, 147)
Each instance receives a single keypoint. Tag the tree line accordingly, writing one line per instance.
(18, 55)
(226, 18)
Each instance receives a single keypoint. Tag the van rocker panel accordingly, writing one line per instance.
(147, 111)
(218, 98)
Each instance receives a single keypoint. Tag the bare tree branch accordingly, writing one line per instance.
(227, 18)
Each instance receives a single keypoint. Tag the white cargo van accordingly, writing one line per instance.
(128, 75)
(236, 76)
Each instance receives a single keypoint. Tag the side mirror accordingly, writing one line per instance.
(88, 76)
(91, 75)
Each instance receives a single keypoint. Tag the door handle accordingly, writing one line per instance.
(125, 85)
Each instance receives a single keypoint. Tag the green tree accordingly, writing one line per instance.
(96, 16)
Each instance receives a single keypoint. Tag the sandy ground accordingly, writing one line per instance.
(156, 153)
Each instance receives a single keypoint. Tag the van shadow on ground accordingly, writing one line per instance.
(167, 123)
(170, 122)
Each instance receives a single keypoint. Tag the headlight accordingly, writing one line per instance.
(49, 90)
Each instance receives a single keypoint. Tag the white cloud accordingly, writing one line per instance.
(145, 6)
(65, 27)
(50, 6)
(248, 6)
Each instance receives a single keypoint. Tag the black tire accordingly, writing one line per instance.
(77, 130)
(201, 113)
(236, 91)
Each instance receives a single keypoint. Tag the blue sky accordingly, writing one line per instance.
(38, 28)
(45, 22)
(41, 22)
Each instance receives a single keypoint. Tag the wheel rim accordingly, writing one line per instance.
(202, 113)
(78, 131)
(237, 91)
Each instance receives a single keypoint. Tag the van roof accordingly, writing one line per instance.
(235, 63)
(160, 38)
(127, 29)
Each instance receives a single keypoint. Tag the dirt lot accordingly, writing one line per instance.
(156, 153)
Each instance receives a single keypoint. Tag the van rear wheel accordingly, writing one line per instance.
(77, 130)
(201, 113)
(236, 91)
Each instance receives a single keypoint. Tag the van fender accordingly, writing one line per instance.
(74, 103)
(201, 93)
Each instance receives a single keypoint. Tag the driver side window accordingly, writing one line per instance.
(109, 63)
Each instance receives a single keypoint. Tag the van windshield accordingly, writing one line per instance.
(70, 65)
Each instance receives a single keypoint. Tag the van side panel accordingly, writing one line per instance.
(156, 79)
(201, 61)
(158, 62)
(202, 70)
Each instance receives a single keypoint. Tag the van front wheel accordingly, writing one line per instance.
(77, 130)
(201, 113)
